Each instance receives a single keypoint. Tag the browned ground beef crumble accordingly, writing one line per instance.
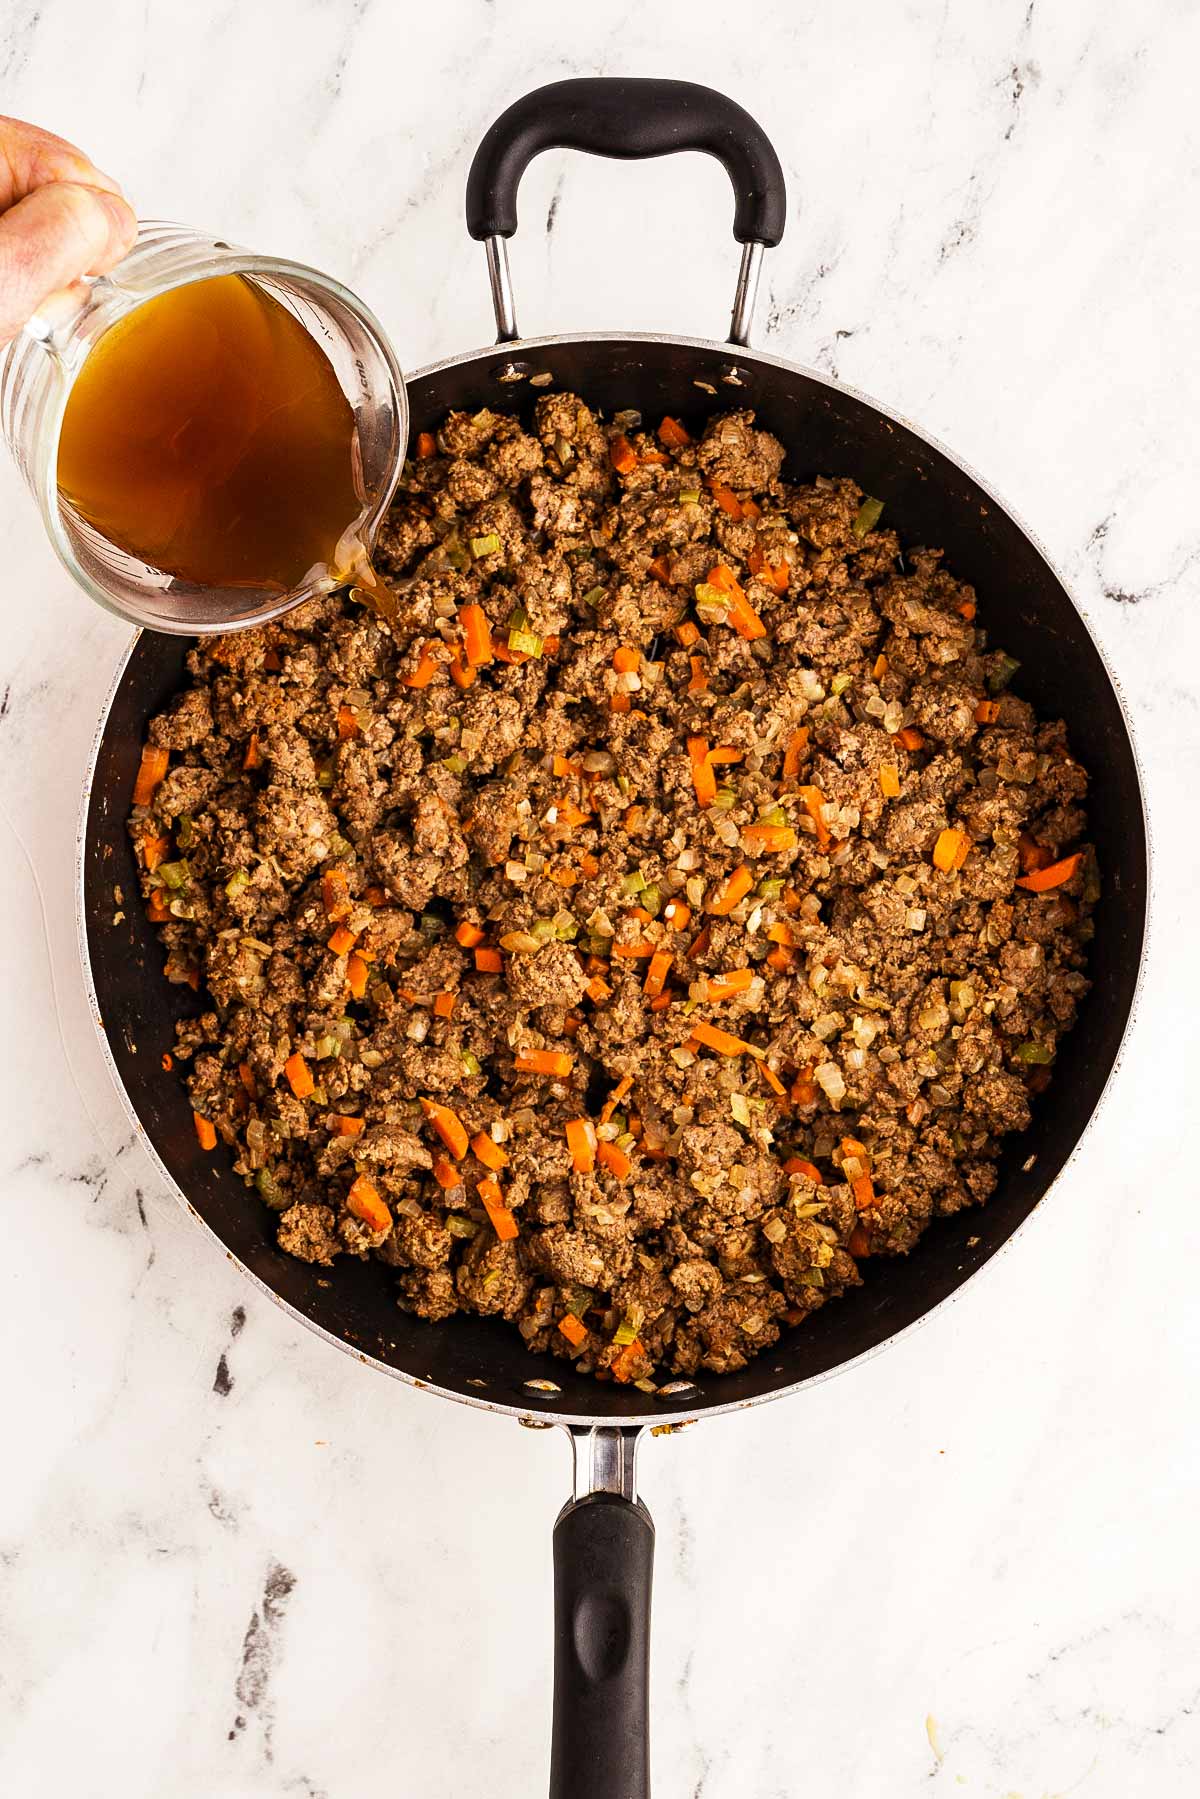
(906, 1012)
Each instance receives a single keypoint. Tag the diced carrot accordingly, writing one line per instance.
(168, 1061)
(739, 612)
(653, 458)
(673, 434)
(346, 1126)
(626, 658)
(889, 780)
(489, 1152)
(725, 753)
(722, 1041)
(624, 1365)
(597, 990)
(661, 1002)
(158, 910)
(703, 778)
(768, 840)
(700, 942)
(795, 753)
(449, 1127)
(678, 914)
(686, 633)
(966, 609)
(733, 888)
(573, 1329)
(797, 1165)
(656, 974)
(777, 574)
(154, 851)
(246, 1077)
(567, 813)
(193, 979)
(342, 941)
(814, 801)
(804, 1090)
(614, 1160)
(634, 818)
(780, 958)
(347, 724)
(751, 509)
(562, 766)
(571, 1024)
(445, 1173)
(365, 1202)
(725, 986)
(699, 680)
(374, 896)
(489, 961)
(622, 454)
(987, 712)
(151, 770)
(772, 1079)
(623, 1086)
(1041, 880)
(859, 1243)
(425, 670)
(253, 756)
(335, 893)
(503, 1222)
(1032, 855)
(726, 499)
(468, 934)
(781, 932)
(206, 1133)
(555, 1062)
(910, 738)
(477, 634)
(951, 850)
(443, 1005)
(880, 667)
(850, 1146)
(864, 1192)
(299, 1075)
(619, 702)
(589, 865)
(461, 672)
(426, 445)
(660, 569)
(356, 975)
(581, 1141)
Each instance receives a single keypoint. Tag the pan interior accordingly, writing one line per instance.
(930, 500)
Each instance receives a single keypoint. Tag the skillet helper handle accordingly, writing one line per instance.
(603, 1566)
(629, 119)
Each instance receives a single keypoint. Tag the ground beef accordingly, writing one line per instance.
(667, 856)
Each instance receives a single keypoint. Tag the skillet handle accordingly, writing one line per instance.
(603, 1568)
(629, 119)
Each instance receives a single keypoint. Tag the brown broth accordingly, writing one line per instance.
(208, 435)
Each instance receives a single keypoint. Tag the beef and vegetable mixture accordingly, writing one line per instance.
(668, 909)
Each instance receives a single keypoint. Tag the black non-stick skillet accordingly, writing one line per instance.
(603, 1540)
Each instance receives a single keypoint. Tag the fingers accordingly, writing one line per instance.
(31, 158)
(53, 236)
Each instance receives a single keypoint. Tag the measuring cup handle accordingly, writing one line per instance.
(628, 119)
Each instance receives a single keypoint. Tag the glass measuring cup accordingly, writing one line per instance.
(43, 364)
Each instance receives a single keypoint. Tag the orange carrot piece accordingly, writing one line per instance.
(581, 1141)
(342, 941)
(573, 1329)
(425, 670)
(623, 1086)
(951, 850)
(623, 1365)
(374, 896)
(626, 659)
(503, 1222)
(772, 1079)
(206, 1133)
(722, 1041)
(356, 975)
(966, 609)
(700, 942)
(725, 986)
(699, 680)
(589, 865)
(489, 961)
(703, 778)
(151, 770)
(157, 909)
(246, 1077)
(346, 1126)
(443, 1005)
(449, 1127)
(889, 780)
(555, 1062)
(780, 958)
(1041, 880)
(673, 434)
(489, 1152)
(656, 974)
(622, 454)
(795, 753)
(154, 851)
(365, 1202)
(814, 800)
(597, 990)
(477, 634)
(735, 887)
(445, 1173)
(769, 840)
(299, 1075)
(910, 738)
(614, 1161)
(686, 633)
(751, 509)
(562, 766)
(653, 458)
(168, 1061)
(1032, 855)
(660, 569)
(335, 893)
(347, 724)
(724, 753)
(864, 1192)
(461, 672)
(859, 1243)
(426, 445)
(987, 712)
(253, 756)
(468, 934)
(620, 702)
(797, 1165)
(880, 667)
(726, 499)
(678, 914)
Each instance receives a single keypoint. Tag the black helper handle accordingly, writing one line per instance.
(603, 1567)
(629, 119)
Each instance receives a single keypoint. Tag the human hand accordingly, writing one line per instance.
(60, 219)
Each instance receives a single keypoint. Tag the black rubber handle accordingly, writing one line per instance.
(629, 119)
(603, 1568)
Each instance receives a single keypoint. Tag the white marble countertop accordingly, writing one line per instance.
(234, 1563)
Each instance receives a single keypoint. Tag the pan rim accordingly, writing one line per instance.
(654, 1413)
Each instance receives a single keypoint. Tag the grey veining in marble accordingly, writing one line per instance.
(233, 1565)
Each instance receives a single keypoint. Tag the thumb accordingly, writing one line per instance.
(52, 237)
